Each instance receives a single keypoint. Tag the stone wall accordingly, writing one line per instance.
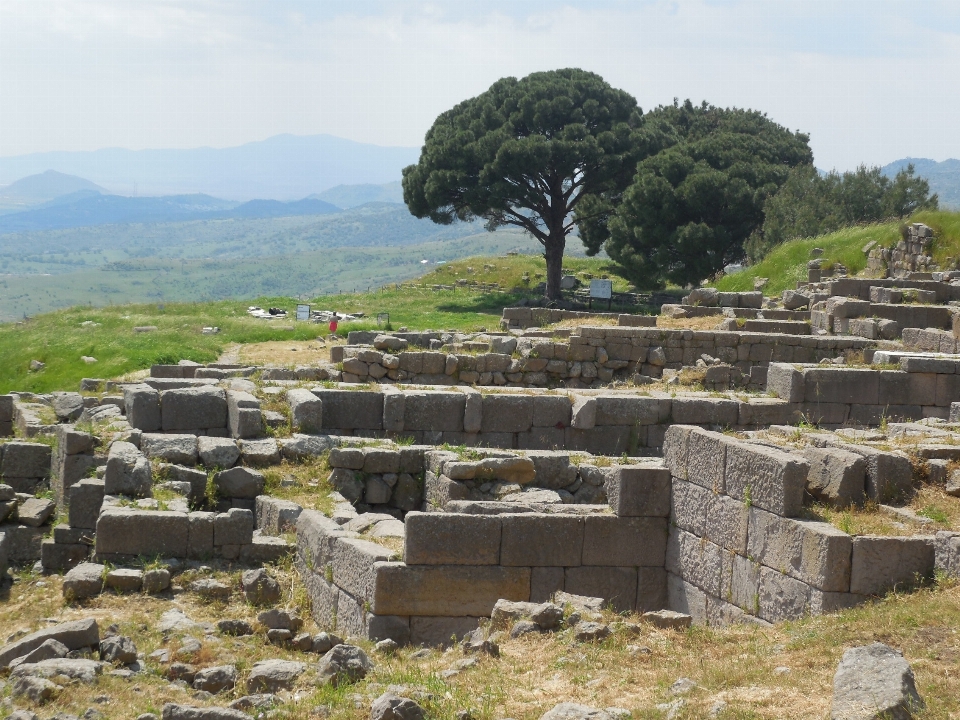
(522, 318)
(198, 409)
(455, 566)
(737, 552)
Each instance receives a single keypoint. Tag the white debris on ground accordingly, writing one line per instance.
(317, 316)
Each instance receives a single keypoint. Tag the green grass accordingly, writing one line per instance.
(786, 265)
(59, 338)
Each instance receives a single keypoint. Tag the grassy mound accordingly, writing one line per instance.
(786, 265)
(59, 339)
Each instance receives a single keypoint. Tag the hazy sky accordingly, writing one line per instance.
(871, 81)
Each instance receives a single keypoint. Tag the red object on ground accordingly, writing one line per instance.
(333, 326)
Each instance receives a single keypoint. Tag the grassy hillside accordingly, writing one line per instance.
(60, 338)
(786, 265)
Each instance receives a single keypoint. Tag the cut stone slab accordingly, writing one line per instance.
(83, 581)
(74, 635)
(273, 675)
(217, 452)
(34, 512)
(169, 447)
(874, 682)
(49, 649)
(172, 711)
(128, 472)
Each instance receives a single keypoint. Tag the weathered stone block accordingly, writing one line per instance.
(551, 411)
(726, 522)
(142, 532)
(616, 585)
(171, 448)
(434, 411)
(841, 385)
(684, 597)
(767, 478)
(216, 452)
(541, 540)
(883, 563)
(200, 535)
(947, 553)
(445, 590)
(351, 409)
(624, 541)
(706, 458)
(239, 482)
(782, 597)
(193, 407)
(234, 527)
(440, 631)
(306, 410)
(276, 516)
(507, 413)
(639, 490)
(260, 453)
(353, 568)
(86, 497)
(451, 539)
(25, 460)
(697, 561)
(379, 461)
(785, 382)
(128, 471)
(836, 476)
(142, 407)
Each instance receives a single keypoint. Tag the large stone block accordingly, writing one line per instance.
(200, 535)
(306, 410)
(697, 561)
(171, 448)
(785, 381)
(507, 413)
(782, 597)
(685, 597)
(351, 409)
(440, 631)
(380, 460)
(639, 490)
(437, 411)
(25, 460)
(814, 552)
(689, 505)
(451, 539)
(234, 527)
(85, 499)
(75, 635)
(616, 585)
(706, 458)
(889, 475)
(726, 522)
(446, 590)
(142, 407)
(884, 563)
(676, 442)
(903, 388)
(142, 532)
(764, 477)
(197, 479)
(353, 567)
(836, 476)
(651, 589)
(841, 385)
(217, 452)
(624, 541)
(239, 482)
(23, 544)
(627, 410)
(244, 419)
(276, 516)
(128, 471)
(192, 408)
(705, 411)
(542, 540)
(947, 553)
(551, 411)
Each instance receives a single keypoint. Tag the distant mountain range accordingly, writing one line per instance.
(944, 177)
(283, 167)
(349, 196)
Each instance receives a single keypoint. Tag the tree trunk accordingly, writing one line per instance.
(553, 253)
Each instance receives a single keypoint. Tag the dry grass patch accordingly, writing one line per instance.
(708, 322)
(285, 353)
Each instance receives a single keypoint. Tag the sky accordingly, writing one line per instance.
(871, 81)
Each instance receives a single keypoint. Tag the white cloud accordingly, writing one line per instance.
(871, 81)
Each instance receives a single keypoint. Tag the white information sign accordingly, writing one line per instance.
(303, 312)
(601, 289)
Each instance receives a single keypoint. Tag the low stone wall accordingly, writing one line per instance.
(522, 318)
(843, 316)
(456, 566)
(197, 409)
(737, 552)
(923, 387)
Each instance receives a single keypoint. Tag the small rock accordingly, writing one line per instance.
(258, 701)
(156, 581)
(280, 620)
(273, 675)
(718, 707)
(393, 707)
(181, 671)
(475, 642)
(573, 711)
(210, 589)
(83, 581)
(279, 637)
(591, 632)
(216, 679)
(235, 627)
(548, 616)
(344, 664)
(668, 619)
(35, 689)
(36, 365)
(421, 654)
(524, 627)
(387, 646)
(302, 642)
(189, 646)
(325, 642)
(49, 649)
(682, 686)
(118, 649)
(671, 710)
(259, 588)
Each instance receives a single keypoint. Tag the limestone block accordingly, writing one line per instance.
(234, 527)
(306, 410)
(442, 411)
(706, 458)
(767, 478)
(75, 635)
(244, 419)
(352, 409)
(583, 412)
(142, 407)
(25, 460)
(836, 476)
(377, 460)
(58, 557)
(726, 523)
(23, 544)
(705, 411)
(150, 533)
(445, 590)
(782, 597)
(276, 516)
(676, 449)
(616, 585)
(625, 410)
(239, 482)
(128, 471)
(684, 597)
(889, 475)
(86, 497)
(353, 567)
(744, 586)
(193, 407)
(346, 457)
(947, 553)
(551, 411)
(697, 561)
(785, 382)
(259, 453)
(841, 385)
(639, 490)
(553, 469)
(507, 413)
(171, 448)
(883, 563)
(216, 452)
(472, 410)
(624, 541)
(689, 506)
(903, 388)
(816, 553)
(200, 526)
(451, 539)
(541, 540)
